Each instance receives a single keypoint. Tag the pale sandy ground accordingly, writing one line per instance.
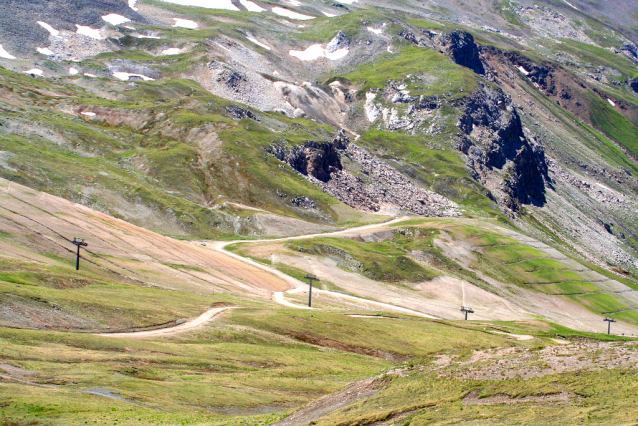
(40, 223)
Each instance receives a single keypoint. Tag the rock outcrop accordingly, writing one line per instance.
(238, 113)
(378, 188)
(458, 45)
(631, 51)
(319, 160)
(498, 152)
(461, 48)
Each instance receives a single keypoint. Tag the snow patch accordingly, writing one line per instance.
(131, 4)
(329, 15)
(147, 36)
(258, 43)
(73, 71)
(115, 19)
(337, 54)
(89, 32)
(337, 48)
(45, 51)
(88, 74)
(373, 111)
(208, 4)
(49, 28)
(375, 30)
(124, 76)
(251, 7)
(347, 1)
(293, 2)
(4, 54)
(316, 51)
(34, 71)
(612, 103)
(89, 114)
(523, 70)
(184, 23)
(171, 51)
(571, 5)
(290, 14)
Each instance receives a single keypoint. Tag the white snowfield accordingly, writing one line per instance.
(251, 7)
(34, 71)
(115, 19)
(258, 43)
(293, 2)
(171, 51)
(124, 76)
(329, 15)
(185, 23)
(131, 4)
(375, 30)
(612, 103)
(347, 1)
(73, 71)
(88, 114)
(149, 36)
(316, 51)
(209, 4)
(89, 32)
(88, 74)
(290, 14)
(49, 28)
(4, 54)
(45, 51)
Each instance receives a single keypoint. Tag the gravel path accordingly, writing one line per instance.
(195, 324)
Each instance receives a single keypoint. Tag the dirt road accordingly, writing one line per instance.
(299, 286)
(194, 324)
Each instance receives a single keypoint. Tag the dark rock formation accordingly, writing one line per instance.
(458, 45)
(238, 113)
(383, 188)
(233, 79)
(630, 50)
(498, 150)
(634, 84)
(543, 75)
(461, 48)
(340, 41)
(317, 159)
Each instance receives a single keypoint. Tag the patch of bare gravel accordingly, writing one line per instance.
(473, 398)
(523, 363)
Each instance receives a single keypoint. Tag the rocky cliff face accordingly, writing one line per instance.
(458, 45)
(319, 160)
(461, 48)
(378, 188)
(498, 151)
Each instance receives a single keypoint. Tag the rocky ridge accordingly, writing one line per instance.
(380, 188)
(498, 152)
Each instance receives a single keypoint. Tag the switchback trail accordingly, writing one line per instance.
(299, 286)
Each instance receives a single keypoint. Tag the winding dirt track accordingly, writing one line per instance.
(298, 286)
(191, 325)
(277, 296)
